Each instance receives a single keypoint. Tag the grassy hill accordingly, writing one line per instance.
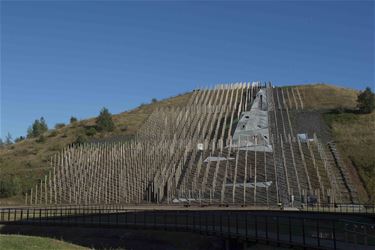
(354, 134)
(28, 160)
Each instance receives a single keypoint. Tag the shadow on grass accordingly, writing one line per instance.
(117, 238)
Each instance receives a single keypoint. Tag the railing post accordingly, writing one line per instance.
(135, 218)
(213, 223)
(290, 230)
(246, 230)
(200, 222)
(144, 218)
(303, 232)
(334, 234)
(100, 216)
(206, 223)
(318, 232)
(221, 223)
(266, 224)
(154, 219)
(165, 220)
(228, 222)
(116, 216)
(236, 223)
(256, 228)
(278, 231)
(193, 221)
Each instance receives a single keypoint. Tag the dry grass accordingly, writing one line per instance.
(355, 137)
(29, 159)
(326, 97)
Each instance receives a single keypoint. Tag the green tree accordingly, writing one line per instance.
(153, 100)
(91, 131)
(73, 119)
(81, 139)
(38, 128)
(104, 121)
(366, 101)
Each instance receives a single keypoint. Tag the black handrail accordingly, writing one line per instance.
(298, 229)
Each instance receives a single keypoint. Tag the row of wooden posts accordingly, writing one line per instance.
(163, 163)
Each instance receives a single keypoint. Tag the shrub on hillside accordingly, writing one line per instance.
(81, 139)
(73, 119)
(59, 125)
(91, 131)
(53, 133)
(9, 186)
(18, 139)
(104, 121)
(153, 100)
(366, 101)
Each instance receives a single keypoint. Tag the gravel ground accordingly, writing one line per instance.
(310, 122)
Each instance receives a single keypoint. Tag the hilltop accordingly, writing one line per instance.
(29, 159)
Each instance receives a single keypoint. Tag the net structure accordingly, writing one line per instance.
(210, 151)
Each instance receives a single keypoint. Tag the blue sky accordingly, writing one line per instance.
(64, 58)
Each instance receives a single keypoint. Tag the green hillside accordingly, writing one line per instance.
(354, 134)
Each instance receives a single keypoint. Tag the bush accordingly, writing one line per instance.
(59, 125)
(81, 139)
(73, 119)
(9, 186)
(91, 131)
(366, 101)
(104, 121)
(38, 128)
(153, 100)
(18, 139)
(53, 133)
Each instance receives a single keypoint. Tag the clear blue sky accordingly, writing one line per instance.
(66, 58)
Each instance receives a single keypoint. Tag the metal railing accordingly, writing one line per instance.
(292, 229)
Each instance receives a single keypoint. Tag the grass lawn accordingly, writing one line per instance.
(19, 242)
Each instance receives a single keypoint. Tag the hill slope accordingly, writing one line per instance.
(29, 159)
(353, 133)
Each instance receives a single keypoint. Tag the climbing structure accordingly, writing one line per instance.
(234, 143)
